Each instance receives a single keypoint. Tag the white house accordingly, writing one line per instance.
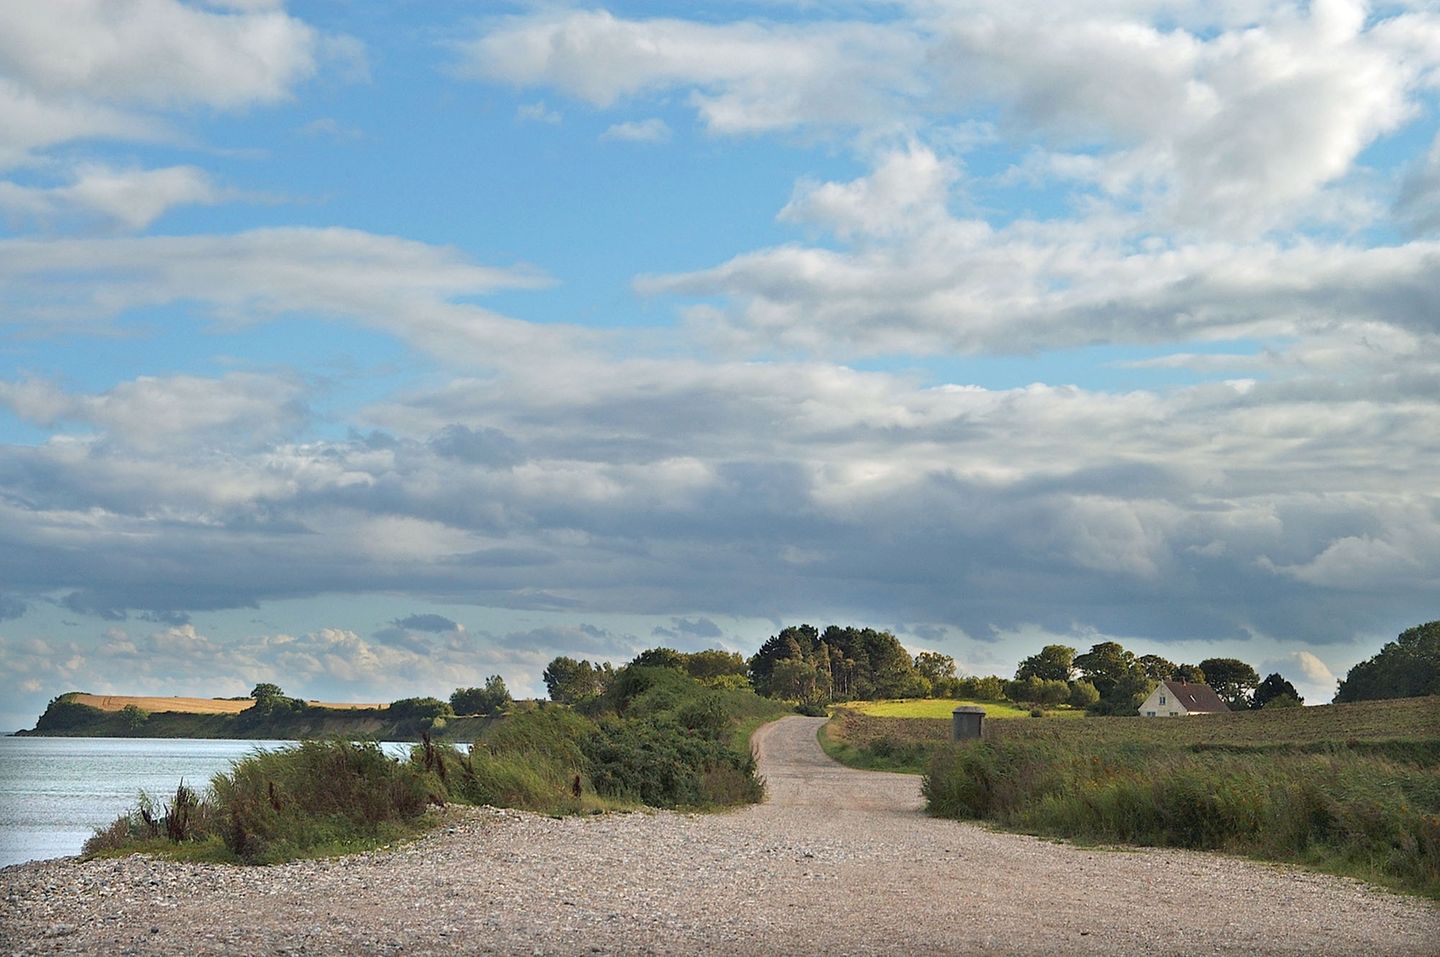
(1171, 699)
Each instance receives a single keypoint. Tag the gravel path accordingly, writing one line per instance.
(837, 862)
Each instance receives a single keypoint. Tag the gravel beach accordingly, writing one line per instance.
(836, 862)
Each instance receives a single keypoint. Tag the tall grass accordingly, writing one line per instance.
(319, 798)
(1371, 812)
(319, 795)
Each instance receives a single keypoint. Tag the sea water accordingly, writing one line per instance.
(54, 792)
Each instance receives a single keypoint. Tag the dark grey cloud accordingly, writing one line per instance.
(426, 622)
(698, 627)
(12, 608)
(884, 502)
(480, 446)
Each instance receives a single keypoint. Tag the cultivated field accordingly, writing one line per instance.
(178, 705)
(942, 707)
(1404, 719)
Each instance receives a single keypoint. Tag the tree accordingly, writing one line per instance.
(265, 690)
(1025, 690)
(1190, 673)
(1051, 663)
(988, 688)
(1408, 667)
(713, 663)
(1083, 695)
(794, 641)
(134, 716)
(493, 697)
(1105, 664)
(1052, 692)
(1156, 668)
(935, 666)
(660, 658)
(793, 679)
(1270, 692)
(422, 711)
(569, 681)
(1232, 679)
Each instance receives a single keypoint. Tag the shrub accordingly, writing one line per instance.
(188, 818)
(318, 796)
(659, 762)
(1083, 695)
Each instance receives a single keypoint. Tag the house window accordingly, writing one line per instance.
(1162, 699)
(1172, 714)
(1149, 714)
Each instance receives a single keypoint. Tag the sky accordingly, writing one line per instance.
(372, 349)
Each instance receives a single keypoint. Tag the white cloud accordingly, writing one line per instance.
(155, 52)
(906, 194)
(154, 413)
(332, 128)
(537, 112)
(1310, 675)
(746, 77)
(400, 286)
(131, 198)
(915, 279)
(1216, 119)
(653, 130)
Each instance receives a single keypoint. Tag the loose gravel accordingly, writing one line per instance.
(837, 862)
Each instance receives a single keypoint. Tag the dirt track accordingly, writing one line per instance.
(837, 862)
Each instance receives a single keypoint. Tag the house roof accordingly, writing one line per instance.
(1196, 697)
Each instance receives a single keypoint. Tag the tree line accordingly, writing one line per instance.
(814, 668)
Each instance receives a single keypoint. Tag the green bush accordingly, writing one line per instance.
(317, 797)
(657, 761)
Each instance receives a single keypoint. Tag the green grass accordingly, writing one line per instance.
(942, 708)
(1350, 789)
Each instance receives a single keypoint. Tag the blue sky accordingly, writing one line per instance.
(373, 349)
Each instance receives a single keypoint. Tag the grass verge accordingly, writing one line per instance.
(1365, 809)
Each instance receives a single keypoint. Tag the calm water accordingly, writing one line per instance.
(55, 791)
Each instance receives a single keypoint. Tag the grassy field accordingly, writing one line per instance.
(1351, 789)
(179, 705)
(942, 707)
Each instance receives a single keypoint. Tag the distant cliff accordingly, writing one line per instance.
(71, 715)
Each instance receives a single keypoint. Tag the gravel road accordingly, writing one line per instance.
(836, 862)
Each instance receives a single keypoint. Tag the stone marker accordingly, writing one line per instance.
(965, 723)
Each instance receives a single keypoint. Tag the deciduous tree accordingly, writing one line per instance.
(1051, 663)
(1232, 679)
(1407, 667)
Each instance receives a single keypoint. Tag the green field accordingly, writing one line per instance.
(942, 707)
(1351, 789)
